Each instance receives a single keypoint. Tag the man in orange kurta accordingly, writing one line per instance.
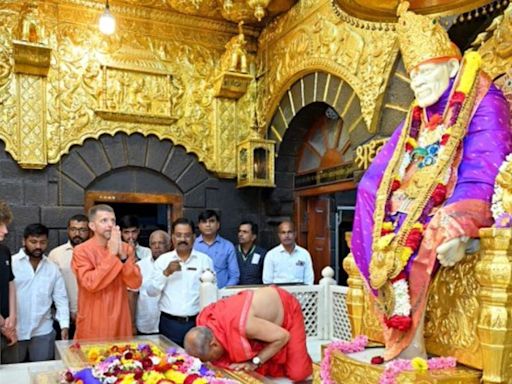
(105, 268)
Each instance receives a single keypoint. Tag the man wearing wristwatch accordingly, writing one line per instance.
(257, 330)
(104, 267)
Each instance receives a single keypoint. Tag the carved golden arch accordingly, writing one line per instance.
(317, 86)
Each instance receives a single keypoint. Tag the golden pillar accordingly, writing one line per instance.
(355, 294)
(494, 273)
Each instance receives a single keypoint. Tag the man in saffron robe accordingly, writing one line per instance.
(470, 121)
(105, 267)
(261, 330)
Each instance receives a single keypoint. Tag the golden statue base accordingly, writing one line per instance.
(347, 370)
(232, 85)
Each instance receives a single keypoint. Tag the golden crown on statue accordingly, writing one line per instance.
(422, 38)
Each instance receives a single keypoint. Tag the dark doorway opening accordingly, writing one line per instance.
(151, 217)
(154, 211)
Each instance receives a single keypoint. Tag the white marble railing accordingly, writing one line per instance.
(323, 305)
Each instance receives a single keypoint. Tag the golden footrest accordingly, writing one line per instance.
(346, 370)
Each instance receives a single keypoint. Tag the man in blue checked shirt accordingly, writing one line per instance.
(220, 250)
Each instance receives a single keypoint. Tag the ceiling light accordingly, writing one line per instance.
(107, 23)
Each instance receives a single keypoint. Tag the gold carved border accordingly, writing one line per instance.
(311, 37)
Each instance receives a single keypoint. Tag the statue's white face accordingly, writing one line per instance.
(430, 80)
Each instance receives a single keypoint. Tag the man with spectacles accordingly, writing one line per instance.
(176, 281)
(78, 232)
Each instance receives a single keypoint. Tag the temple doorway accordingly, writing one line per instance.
(323, 182)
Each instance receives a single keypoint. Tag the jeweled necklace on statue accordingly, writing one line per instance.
(431, 152)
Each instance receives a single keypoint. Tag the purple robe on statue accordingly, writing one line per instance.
(487, 142)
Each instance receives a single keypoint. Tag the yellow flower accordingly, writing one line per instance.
(177, 377)
(387, 226)
(152, 377)
(419, 364)
(413, 143)
(471, 65)
(404, 254)
(418, 226)
(201, 381)
(128, 379)
(384, 241)
(93, 354)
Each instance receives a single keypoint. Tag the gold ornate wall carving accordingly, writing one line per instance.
(496, 52)
(154, 76)
(312, 37)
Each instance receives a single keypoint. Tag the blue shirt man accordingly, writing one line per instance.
(220, 250)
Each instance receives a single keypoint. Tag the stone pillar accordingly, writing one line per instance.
(494, 273)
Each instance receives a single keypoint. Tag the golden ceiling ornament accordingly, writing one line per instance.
(249, 11)
(259, 7)
(422, 38)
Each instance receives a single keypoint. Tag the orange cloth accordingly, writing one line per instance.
(103, 310)
(227, 319)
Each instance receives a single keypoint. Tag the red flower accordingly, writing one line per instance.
(137, 373)
(395, 185)
(434, 121)
(75, 345)
(444, 139)
(401, 276)
(414, 238)
(384, 232)
(439, 194)
(402, 323)
(408, 147)
(146, 363)
(190, 378)
(416, 113)
(128, 355)
(457, 97)
(377, 360)
(69, 377)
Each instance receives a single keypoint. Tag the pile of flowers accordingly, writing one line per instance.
(140, 364)
(396, 367)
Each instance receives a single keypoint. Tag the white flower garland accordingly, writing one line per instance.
(497, 208)
(402, 299)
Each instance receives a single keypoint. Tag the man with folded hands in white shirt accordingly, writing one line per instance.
(39, 283)
(147, 315)
(176, 281)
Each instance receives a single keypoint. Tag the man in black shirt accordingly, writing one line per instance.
(7, 287)
(249, 256)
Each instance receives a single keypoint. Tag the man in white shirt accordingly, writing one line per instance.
(78, 232)
(147, 315)
(176, 281)
(288, 262)
(39, 283)
(130, 232)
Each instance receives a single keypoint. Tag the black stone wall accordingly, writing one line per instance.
(120, 163)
